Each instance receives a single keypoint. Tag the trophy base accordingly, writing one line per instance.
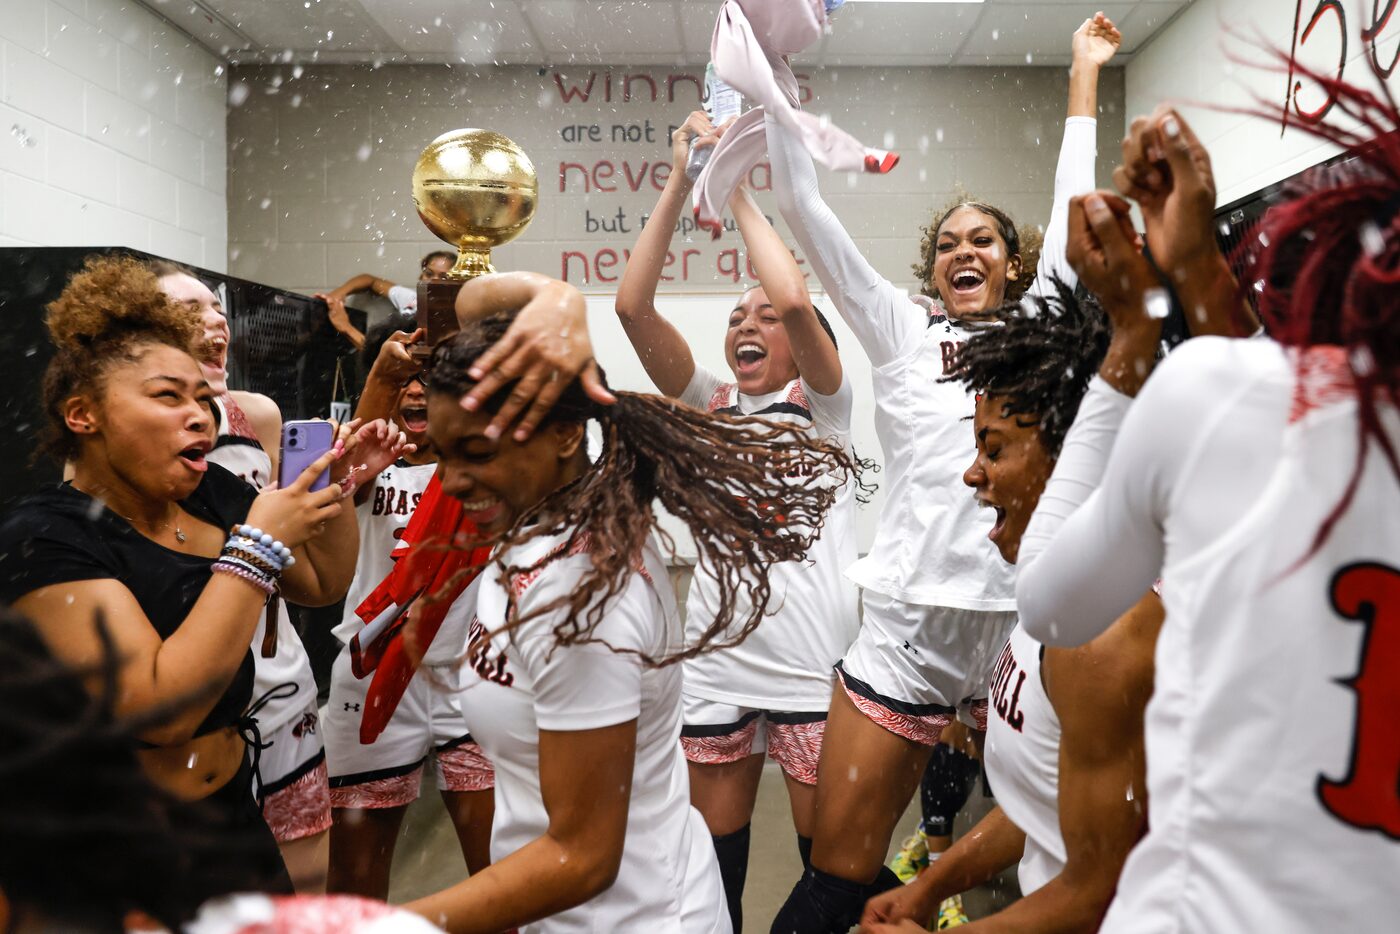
(471, 263)
(437, 313)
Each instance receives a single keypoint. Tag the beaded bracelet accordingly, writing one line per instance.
(253, 563)
(258, 536)
(261, 557)
(224, 566)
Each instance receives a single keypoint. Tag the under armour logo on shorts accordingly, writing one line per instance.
(352, 708)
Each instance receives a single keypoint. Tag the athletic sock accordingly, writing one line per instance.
(804, 849)
(825, 904)
(733, 852)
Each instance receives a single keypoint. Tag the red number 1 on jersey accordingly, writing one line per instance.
(1369, 797)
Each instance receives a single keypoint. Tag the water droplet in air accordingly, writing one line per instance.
(1157, 304)
(1372, 240)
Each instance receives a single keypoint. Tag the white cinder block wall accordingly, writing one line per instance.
(112, 131)
(1191, 61)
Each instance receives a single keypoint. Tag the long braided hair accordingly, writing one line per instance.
(1039, 364)
(737, 484)
(1325, 260)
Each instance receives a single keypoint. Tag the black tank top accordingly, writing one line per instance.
(61, 534)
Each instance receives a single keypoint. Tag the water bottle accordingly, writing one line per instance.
(721, 102)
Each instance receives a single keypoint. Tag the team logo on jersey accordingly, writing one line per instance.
(1368, 798)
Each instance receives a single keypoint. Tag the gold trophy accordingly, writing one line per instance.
(475, 189)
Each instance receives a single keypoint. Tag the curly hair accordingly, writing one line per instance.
(1020, 241)
(731, 481)
(108, 311)
(87, 836)
(1040, 364)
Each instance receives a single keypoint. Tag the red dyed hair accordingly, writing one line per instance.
(1325, 261)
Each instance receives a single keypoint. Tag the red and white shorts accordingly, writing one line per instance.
(913, 668)
(713, 733)
(296, 800)
(427, 724)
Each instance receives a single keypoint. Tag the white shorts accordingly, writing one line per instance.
(293, 786)
(715, 733)
(427, 723)
(913, 668)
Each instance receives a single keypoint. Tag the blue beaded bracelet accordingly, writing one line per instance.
(257, 536)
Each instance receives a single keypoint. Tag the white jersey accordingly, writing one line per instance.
(283, 685)
(1272, 743)
(931, 544)
(237, 448)
(785, 664)
(382, 517)
(520, 682)
(1023, 757)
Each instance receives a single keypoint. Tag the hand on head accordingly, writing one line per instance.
(545, 349)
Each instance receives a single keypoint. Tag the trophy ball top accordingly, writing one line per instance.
(475, 189)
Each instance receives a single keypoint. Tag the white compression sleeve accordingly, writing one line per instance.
(879, 313)
(1074, 175)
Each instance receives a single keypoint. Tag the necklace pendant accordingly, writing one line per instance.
(179, 536)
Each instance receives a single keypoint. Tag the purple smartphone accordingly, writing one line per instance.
(302, 443)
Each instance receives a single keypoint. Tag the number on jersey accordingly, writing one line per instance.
(1369, 797)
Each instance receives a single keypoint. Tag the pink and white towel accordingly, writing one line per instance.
(749, 50)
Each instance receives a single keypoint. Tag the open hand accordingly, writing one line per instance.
(370, 448)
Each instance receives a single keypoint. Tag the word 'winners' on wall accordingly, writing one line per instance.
(321, 161)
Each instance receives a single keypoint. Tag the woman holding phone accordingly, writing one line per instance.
(161, 545)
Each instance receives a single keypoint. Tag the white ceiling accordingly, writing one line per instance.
(641, 32)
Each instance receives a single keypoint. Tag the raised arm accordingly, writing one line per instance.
(392, 369)
(882, 316)
(815, 355)
(364, 282)
(659, 344)
(1093, 45)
